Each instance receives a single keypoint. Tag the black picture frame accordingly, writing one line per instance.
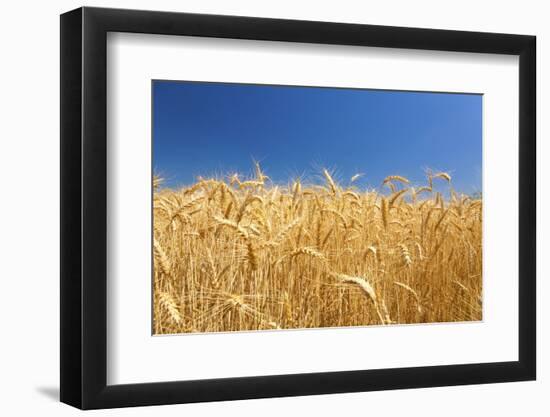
(84, 207)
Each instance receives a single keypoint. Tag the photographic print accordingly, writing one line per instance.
(293, 207)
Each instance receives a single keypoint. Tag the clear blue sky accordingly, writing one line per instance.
(217, 128)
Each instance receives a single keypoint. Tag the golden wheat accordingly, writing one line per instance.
(245, 254)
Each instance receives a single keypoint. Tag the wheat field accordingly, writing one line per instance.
(234, 254)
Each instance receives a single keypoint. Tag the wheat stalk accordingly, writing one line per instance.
(161, 258)
(171, 306)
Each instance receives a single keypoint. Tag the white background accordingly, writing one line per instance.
(29, 213)
(134, 356)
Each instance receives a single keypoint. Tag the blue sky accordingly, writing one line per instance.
(218, 128)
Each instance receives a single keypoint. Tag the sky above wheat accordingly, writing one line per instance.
(213, 129)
